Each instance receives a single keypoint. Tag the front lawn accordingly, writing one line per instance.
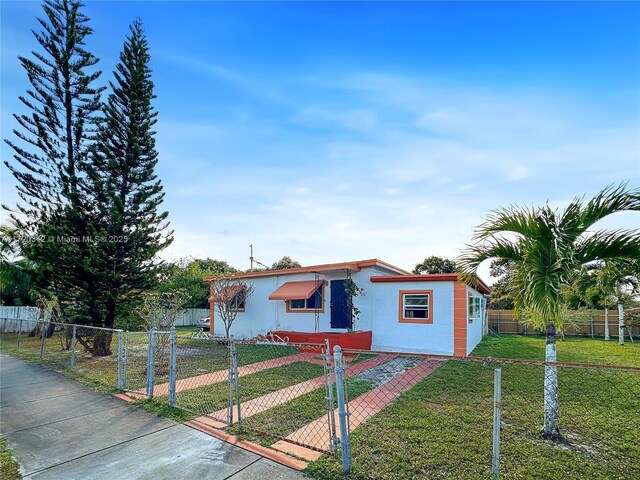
(441, 428)
(571, 350)
(211, 398)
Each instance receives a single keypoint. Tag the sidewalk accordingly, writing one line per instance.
(60, 429)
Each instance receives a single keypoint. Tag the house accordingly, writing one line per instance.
(393, 310)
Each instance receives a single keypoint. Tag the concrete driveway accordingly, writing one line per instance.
(60, 429)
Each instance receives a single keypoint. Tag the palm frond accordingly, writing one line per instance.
(513, 219)
(606, 245)
(612, 199)
(473, 255)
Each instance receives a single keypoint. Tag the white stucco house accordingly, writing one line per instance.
(398, 311)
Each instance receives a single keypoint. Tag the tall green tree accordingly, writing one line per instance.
(435, 264)
(547, 247)
(125, 193)
(186, 275)
(502, 293)
(285, 263)
(52, 139)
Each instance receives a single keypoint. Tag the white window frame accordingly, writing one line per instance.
(474, 301)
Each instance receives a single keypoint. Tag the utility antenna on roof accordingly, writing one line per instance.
(253, 260)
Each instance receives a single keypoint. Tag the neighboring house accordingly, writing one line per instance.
(398, 311)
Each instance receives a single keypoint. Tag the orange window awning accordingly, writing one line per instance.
(295, 290)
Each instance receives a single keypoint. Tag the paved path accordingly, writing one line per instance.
(360, 408)
(222, 375)
(60, 429)
(284, 395)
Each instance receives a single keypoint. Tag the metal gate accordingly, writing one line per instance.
(275, 392)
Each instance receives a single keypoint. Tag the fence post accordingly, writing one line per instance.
(172, 366)
(151, 362)
(342, 411)
(231, 347)
(236, 380)
(120, 382)
(72, 357)
(498, 322)
(19, 331)
(43, 333)
(124, 360)
(331, 418)
(497, 398)
(620, 324)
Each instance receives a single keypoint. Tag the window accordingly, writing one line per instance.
(238, 301)
(415, 306)
(315, 301)
(474, 307)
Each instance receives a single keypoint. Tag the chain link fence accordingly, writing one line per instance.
(90, 352)
(378, 415)
(419, 416)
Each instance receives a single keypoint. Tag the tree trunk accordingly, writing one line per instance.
(551, 430)
(620, 324)
(606, 323)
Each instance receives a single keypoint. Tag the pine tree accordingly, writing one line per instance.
(53, 140)
(125, 190)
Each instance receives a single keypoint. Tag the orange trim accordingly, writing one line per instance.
(459, 319)
(401, 317)
(277, 457)
(432, 277)
(305, 310)
(355, 266)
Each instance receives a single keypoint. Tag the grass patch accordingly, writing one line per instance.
(283, 420)
(571, 350)
(441, 428)
(162, 409)
(211, 398)
(9, 468)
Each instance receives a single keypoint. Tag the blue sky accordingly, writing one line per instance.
(341, 131)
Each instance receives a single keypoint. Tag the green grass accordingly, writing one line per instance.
(162, 409)
(9, 468)
(571, 350)
(194, 357)
(441, 428)
(211, 398)
(283, 420)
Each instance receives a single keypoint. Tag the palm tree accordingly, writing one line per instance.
(547, 247)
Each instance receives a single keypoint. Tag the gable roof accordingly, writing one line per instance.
(356, 266)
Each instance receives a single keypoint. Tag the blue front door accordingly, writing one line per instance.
(340, 311)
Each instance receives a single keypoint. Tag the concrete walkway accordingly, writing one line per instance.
(360, 408)
(220, 376)
(60, 429)
(284, 395)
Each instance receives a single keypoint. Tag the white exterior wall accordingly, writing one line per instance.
(474, 329)
(262, 315)
(391, 335)
(378, 305)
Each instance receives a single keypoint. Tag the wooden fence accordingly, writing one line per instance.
(504, 321)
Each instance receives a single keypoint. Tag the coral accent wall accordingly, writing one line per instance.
(459, 319)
